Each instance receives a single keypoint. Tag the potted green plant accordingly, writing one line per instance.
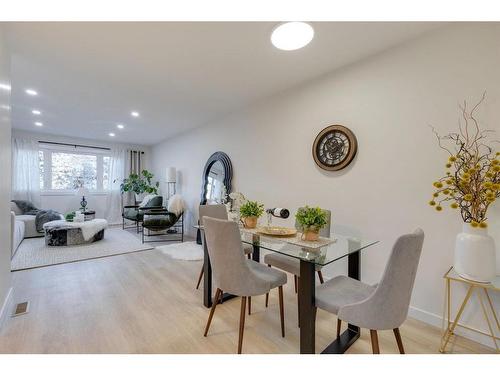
(140, 184)
(310, 220)
(250, 211)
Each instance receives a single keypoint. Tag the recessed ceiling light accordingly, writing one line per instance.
(31, 92)
(5, 86)
(134, 114)
(38, 123)
(112, 134)
(292, 35)
(36, 112)
(120, 126)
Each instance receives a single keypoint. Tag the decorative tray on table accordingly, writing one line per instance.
(277, 231)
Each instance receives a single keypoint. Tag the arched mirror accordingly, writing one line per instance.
(216, 180)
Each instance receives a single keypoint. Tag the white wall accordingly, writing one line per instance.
(388, 101)
(5, 283)
(63, 202)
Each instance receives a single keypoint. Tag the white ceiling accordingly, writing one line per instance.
(177, 75)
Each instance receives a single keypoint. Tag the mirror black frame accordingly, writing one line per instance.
(228, 173)
(228, 176)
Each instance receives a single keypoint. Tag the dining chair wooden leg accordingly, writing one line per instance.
(242, 323)
(249, 305)
(374, 337)
(320, 275)
(221, 296)
(282, 311)
(339, 327)
(399, 341)
(295, 282)
(200, 277)
(267, 294)
(212, 310)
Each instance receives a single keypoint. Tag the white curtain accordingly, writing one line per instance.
(25, 171)
(116, 176)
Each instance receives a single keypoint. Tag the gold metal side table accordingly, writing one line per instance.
(472, 286)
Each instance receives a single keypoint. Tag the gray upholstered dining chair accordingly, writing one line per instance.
(380, 307)
(218, 211)
(235, 274)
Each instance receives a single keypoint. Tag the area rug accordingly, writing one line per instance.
(183, 251)
(33, 253)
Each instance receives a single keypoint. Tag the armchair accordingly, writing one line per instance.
(133, 212)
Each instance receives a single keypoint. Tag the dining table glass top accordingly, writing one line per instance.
(338, 247)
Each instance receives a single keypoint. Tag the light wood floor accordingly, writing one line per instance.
(146, 303)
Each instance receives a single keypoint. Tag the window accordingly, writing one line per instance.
(62, 167)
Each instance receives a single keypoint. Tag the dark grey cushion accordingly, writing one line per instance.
(26, 207)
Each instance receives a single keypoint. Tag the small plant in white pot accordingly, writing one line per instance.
(310, 221)
(471, 185)
(250, 211)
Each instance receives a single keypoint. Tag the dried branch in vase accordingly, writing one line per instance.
(472, 180)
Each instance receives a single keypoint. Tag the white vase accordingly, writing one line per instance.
(475, 257)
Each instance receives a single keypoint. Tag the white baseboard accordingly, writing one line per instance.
(437, 321)
(7, 307)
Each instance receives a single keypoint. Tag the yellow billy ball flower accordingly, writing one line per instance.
(488, 184)
(452, 159)
(496, 186)
(439, 208)
(483, 225)
(435, 195)
(448, 173)
(446, 192)
(489, 174)
(448, 165)
(432, 203)
(466, 176)
(454, 205)
(490, 199)
(468, 197)
(498, 153)
(496, 168)
(495, 162)
(449, 182)
(474, 224)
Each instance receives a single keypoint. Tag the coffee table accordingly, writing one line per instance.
(64, 233)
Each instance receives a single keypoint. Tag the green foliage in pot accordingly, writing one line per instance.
(251, 208)
(140, 183)
(70, 216)
(310, 218)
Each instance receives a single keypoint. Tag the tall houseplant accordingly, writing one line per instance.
(471, 185)
(140, 184)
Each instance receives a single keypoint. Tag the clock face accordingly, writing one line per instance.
(334, 148)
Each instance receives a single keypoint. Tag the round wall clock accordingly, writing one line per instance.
(334, 148)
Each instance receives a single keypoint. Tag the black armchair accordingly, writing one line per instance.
(133, 213)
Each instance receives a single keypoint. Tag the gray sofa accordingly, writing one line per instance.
(22, 226)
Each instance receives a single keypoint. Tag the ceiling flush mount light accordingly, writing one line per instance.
(36, 112)
(134, 114)
(5, 86)
(290, 36)
(120, 126)
(38, 123)
(112, 134)
(31, 92)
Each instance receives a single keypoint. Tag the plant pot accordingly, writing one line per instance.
(475, 257)
(310, 235)
(140, 197)
(250, 222)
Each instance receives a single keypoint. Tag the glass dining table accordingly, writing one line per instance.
(336, 248)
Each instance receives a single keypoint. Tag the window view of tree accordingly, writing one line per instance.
(68, 167)
(42, 170)
(105, 172)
